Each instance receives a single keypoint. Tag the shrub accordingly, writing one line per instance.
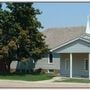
(38, 71)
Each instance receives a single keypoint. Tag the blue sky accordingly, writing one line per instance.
(56, 15)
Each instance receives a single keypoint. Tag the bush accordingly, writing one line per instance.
(38, 71)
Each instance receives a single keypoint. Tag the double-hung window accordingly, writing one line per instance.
(50, 58)
(86, 64)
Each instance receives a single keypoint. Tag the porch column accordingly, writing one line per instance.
(70, 65)
(89, 65)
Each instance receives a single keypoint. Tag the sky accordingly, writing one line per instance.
(58, 15)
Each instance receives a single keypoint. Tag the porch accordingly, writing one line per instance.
(75, 64)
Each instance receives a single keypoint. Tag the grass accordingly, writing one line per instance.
(26, 77)
(75, 80)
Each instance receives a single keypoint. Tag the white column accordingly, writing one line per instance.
(89, 64)
(70, 65)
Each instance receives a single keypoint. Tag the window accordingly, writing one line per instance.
(50, 71)
(50, 58)
(86, 64)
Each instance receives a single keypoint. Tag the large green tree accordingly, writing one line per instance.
(19, 34)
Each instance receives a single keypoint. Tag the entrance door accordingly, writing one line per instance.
(67, 65)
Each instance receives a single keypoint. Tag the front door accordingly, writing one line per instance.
(67, 65)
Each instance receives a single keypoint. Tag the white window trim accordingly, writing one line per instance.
(49, 70)
(66, 59)
(33, 61)
(85, 64)
(49, 60)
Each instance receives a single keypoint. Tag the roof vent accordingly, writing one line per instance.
(88, 25)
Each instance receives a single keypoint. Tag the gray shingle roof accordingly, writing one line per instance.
(58, 36)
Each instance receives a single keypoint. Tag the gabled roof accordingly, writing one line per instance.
(59, 36)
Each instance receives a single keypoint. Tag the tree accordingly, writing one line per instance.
(20, 34)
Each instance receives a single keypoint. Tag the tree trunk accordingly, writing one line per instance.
(2, 67)
(8, 66)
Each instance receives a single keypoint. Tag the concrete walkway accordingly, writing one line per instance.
(41, 84)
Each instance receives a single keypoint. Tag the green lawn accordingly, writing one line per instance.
(75, 80)
(26, 77)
